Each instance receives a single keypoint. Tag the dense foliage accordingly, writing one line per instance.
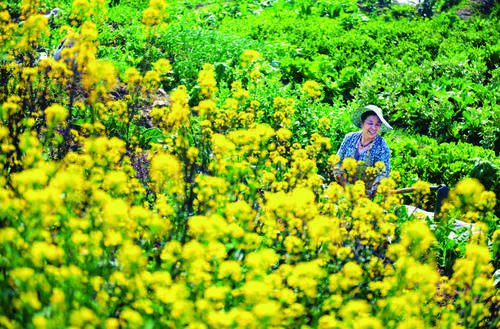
(172, 165)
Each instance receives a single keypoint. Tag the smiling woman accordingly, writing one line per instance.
(367, 145)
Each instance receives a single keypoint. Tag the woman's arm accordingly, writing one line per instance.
(383, 154)
(344, 148)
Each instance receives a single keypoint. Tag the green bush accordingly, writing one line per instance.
(447, 99)
(423, 158)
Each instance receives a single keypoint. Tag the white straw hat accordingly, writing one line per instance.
(356, 117)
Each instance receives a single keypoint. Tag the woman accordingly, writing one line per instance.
(367, 145)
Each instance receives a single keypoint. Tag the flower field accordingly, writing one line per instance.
(174, 166)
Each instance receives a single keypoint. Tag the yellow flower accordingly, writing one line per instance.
(166, 174)
(488, 201)
(199, 272)
(231, 105)
(155, 13)
(207, 82)
(380, 167)
(100, 79)
(58, 297)
(219, 319)
(283, 134)
(386, 185)
(151, 81)
(230, 268)
(312, 88)
(89, 31)
(243, 318)
(222, 145)
(193, 250)
(162, 66)
(40, 321)
(131, 319)
(353, 270)
(332, 303)
(211, 193)
(305, 277)
(416, 240)
(354, 309)
(350, 165)
(395, 175)
(261, 260)
(474, 264)
(115, 181)
(132, 77)
(293, 244)
(43, 251)
(115, 212)
(422, 187)
(255, 291)
(33, 29)
(469, 195)
(323, 229)
(217, 293)
(334, 193)
(249, 56)
(255, 75)
(80, 10)
(368, 322)
(324, 123)
(268, 309)
(113, 238)
(254, 105)
(334, 161)
(171, 253)
(55, 114)
(23, 274)
(30, 300)
(82, 317)
(329, 322)
(278, 102)
(35, 179)
(131, 258)
(206, 107)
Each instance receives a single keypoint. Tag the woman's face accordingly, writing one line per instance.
(371, 127)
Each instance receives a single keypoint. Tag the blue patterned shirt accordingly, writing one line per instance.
(379, 151)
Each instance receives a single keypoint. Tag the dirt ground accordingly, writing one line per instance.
(476, 7)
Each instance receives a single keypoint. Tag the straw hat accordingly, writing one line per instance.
(356, 117)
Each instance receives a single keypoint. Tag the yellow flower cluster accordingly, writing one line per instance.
(470, 195)
(84, 10)
(162, 66)
(324, 124)
(207, 82)
(33, 29)
(166, 173)
(155, 13)
(101, 78)
(55, 114)
(312, 89)
(6, 27)
(249, 56)
(283, 111)
(29, 8)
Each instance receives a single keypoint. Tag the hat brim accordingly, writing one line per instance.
(356, 117)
